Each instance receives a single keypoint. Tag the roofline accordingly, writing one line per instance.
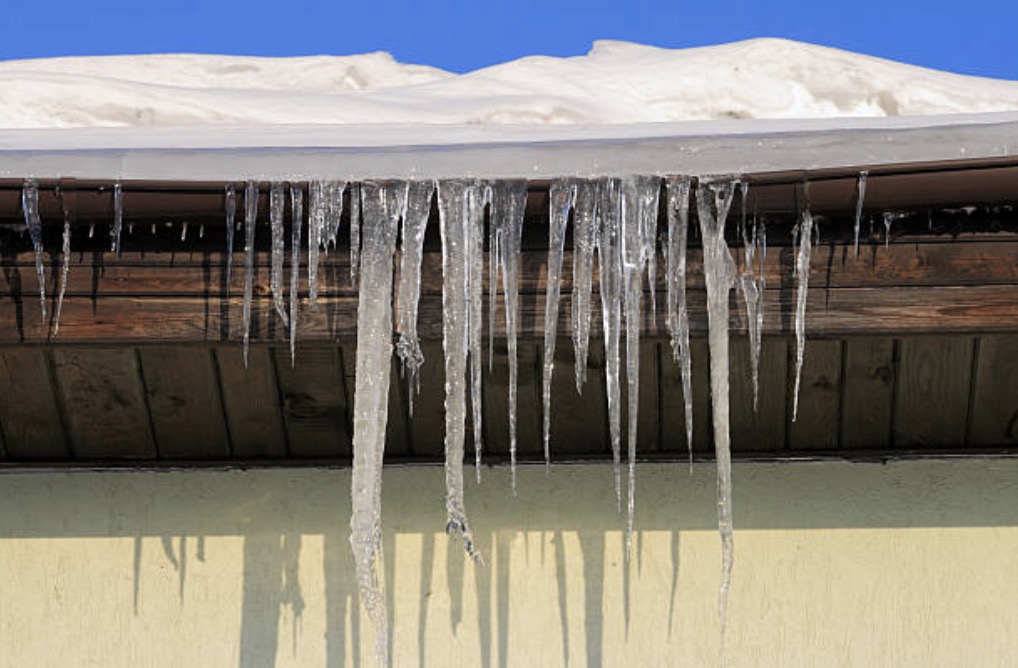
(355, 152)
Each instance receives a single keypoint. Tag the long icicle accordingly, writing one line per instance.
(802, 279)
(584, 241)
(316, 226)
(509, 202)
(415, 224)
(250, 223)
(560, 200)
(751, 284)
(30, 205)
(478, 196)
(860, 202)
(277, 204)
(230, 205)
(714, 198)
(677, 313)
(355, 231)
(374, 353)
(454, 218)
(639, 229)
(65, 266)
(118, 219)
(297, 222)
(609, 253)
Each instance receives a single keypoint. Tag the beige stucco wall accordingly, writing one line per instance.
(837, 564)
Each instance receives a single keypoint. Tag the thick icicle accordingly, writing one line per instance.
(560, 200)
(415, 223)
(509, 201)
(297, 215)
(118, 218)
(250, 222)
(802, 260)
(65, 267)
(714, 198)
(454, 206)
(584, 241)
(333, 193)
(30, 204)
(231, 222)
(609, 253)
(677, 313)
(355, 231)
(752, 284)
(383, 204)
(316, 227)
(639, 229)
(860, 201)
(277, 202)
(478, 198)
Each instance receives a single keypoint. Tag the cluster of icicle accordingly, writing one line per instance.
(613, 218)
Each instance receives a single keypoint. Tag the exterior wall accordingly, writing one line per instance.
(837, 564)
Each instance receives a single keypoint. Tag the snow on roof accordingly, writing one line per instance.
(708, 109)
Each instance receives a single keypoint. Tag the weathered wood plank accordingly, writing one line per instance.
(529, 425)
(933, 391)
(673, 416)
(104, 402)
(579, 422)
(29, 414)
(427, 420)
(817, 424)
(763, 429)
(994, 419)
(316, 409)
(841, 312)
(251, 399)
(184, 403)
(188, 273)
(868, 393)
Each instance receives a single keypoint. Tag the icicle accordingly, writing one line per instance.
(65, 267)
(805, 233)
(455, 218)
(584, 240)
(383, 205)
(118, 218)
(201, 230)
(30, 204)
(888, 220)
(91, 230)
(860, 201)
(333, 192)
(752, 284)
(415, 224)
(639, 228)
(509, 202)
(231, 218)
(316, 225)
(609, 253)
(355, 231)
(478, 197)
(183, 232)
(714, 198)
(277, 202)
(297, 215)
(677, 313)
(250, 222)
(561, 197)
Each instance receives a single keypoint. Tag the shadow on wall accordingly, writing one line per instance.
(253, 568)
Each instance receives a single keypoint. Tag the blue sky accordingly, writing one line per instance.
(970, 36)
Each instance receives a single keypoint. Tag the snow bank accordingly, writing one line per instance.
(616, 83)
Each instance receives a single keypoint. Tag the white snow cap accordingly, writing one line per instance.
(616, 83)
